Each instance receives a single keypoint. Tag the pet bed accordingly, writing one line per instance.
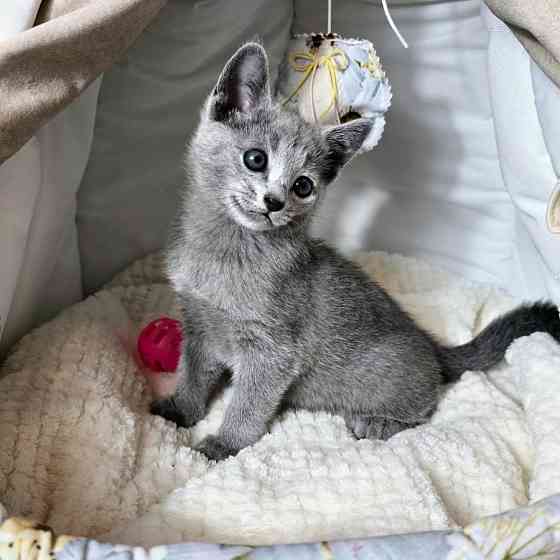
(79, 451)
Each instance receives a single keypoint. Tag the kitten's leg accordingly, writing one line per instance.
(198, 374)
(258, 393)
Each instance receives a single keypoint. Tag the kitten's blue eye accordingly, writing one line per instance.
(303, 186)
(255, 160)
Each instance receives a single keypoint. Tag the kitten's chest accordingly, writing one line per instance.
(241, 291)
(228, 335)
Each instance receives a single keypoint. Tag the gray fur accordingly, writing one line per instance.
(295, 323)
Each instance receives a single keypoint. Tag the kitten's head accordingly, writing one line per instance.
(265, 166)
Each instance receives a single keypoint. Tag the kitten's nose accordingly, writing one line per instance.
(273, 204)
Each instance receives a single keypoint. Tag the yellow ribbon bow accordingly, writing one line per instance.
(309, 63)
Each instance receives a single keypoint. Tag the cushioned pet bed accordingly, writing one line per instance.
(466, 177)
(81, 453)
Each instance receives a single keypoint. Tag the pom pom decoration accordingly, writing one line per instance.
(156, 351)
(159, 345)
(331, 80)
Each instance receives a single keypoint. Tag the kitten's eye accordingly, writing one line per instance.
(303, 186)
(255, 160)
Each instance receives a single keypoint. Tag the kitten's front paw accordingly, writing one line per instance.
(169, 409)
(215, 449)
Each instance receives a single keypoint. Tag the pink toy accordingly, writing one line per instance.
(159, 345)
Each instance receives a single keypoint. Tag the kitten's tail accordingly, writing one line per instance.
(489, 347)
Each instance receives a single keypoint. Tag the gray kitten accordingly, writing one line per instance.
(296, 324)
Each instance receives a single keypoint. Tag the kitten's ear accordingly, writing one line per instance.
(345, 140)
(243, 84)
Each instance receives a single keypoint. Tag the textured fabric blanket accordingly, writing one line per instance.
(79, 451)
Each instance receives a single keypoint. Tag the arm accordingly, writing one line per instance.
(198, 374)
(258, 392)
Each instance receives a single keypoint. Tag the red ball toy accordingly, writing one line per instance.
(159, 345)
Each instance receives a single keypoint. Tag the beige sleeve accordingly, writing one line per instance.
(44, 68)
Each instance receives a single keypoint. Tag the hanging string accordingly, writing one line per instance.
(392, 23)
(387, 15)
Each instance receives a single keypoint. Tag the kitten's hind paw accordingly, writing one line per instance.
(167, 408)
(215, 449)
(385, 428)
(377, 427)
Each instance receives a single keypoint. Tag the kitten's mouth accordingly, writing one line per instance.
(252, 218)
(246, 211)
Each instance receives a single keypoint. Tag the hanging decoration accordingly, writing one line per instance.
(330, 79)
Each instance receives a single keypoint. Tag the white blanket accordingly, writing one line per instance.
(79, 451)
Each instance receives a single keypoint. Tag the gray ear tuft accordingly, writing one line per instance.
(346, 139)
(243, 84)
